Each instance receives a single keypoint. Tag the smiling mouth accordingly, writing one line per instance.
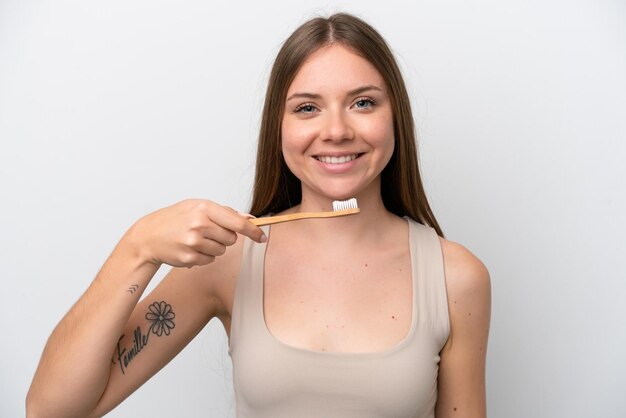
(337, 160)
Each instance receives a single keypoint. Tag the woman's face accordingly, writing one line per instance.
(337, 129)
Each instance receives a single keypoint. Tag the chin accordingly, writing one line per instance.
(341, 190)
(341, 197)
(343, 193)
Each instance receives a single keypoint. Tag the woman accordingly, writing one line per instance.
(374, 314)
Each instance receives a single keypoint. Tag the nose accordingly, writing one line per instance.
(337, 127)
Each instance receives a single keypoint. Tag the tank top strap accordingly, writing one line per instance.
(430, 299)
(248, 300)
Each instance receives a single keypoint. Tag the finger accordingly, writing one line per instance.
(210, 247)
(245, 215)
(205, 259)
(196, 259)
(217, 233)
(189, 256)
(237, 223)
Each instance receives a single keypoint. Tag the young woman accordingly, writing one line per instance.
(370, 315)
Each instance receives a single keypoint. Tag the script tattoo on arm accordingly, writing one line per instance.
(161, 317)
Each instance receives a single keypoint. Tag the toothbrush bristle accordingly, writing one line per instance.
(344, 204)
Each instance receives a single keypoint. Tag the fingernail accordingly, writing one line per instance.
(263, 238)
(247, 215)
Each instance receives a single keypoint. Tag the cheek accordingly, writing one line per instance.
(389, 134)
(294, 142)
(381, 136)
(388, 149)
(295, 139)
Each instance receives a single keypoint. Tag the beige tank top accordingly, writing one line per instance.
(275, 380)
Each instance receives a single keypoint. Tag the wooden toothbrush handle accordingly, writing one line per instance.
(304, 215)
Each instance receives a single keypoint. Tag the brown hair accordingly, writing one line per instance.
(275, 186)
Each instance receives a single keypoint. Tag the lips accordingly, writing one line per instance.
(342, 159)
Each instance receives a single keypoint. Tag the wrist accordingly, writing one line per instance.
(132, 245)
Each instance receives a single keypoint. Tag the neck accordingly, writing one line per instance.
(371, 223)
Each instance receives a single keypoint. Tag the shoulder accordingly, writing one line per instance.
(466, 275)
(461, 380)
(468, 286)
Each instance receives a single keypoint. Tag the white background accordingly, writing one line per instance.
(112, 109)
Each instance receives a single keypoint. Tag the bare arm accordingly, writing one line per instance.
(74, 367)
(95, 341)
(186, 299)
(462, 367)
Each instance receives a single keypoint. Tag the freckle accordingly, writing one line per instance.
(393, 317)
(301, 301)
(454, 409)
(469, 314)
(326, 325)
(365, 264)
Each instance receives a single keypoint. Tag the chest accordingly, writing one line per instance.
(343, 303)
(338, 301)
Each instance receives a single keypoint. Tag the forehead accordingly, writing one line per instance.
(334, 68)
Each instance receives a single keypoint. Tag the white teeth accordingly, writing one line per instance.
(337, 160)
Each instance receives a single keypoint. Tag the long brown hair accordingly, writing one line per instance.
(275, 186)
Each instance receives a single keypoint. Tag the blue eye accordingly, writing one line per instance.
(305, 108)
(364, 103)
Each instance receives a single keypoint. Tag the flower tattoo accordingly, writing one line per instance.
(161, 315)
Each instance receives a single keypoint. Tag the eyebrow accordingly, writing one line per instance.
(352, 92)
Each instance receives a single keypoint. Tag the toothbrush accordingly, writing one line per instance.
(340, 208)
